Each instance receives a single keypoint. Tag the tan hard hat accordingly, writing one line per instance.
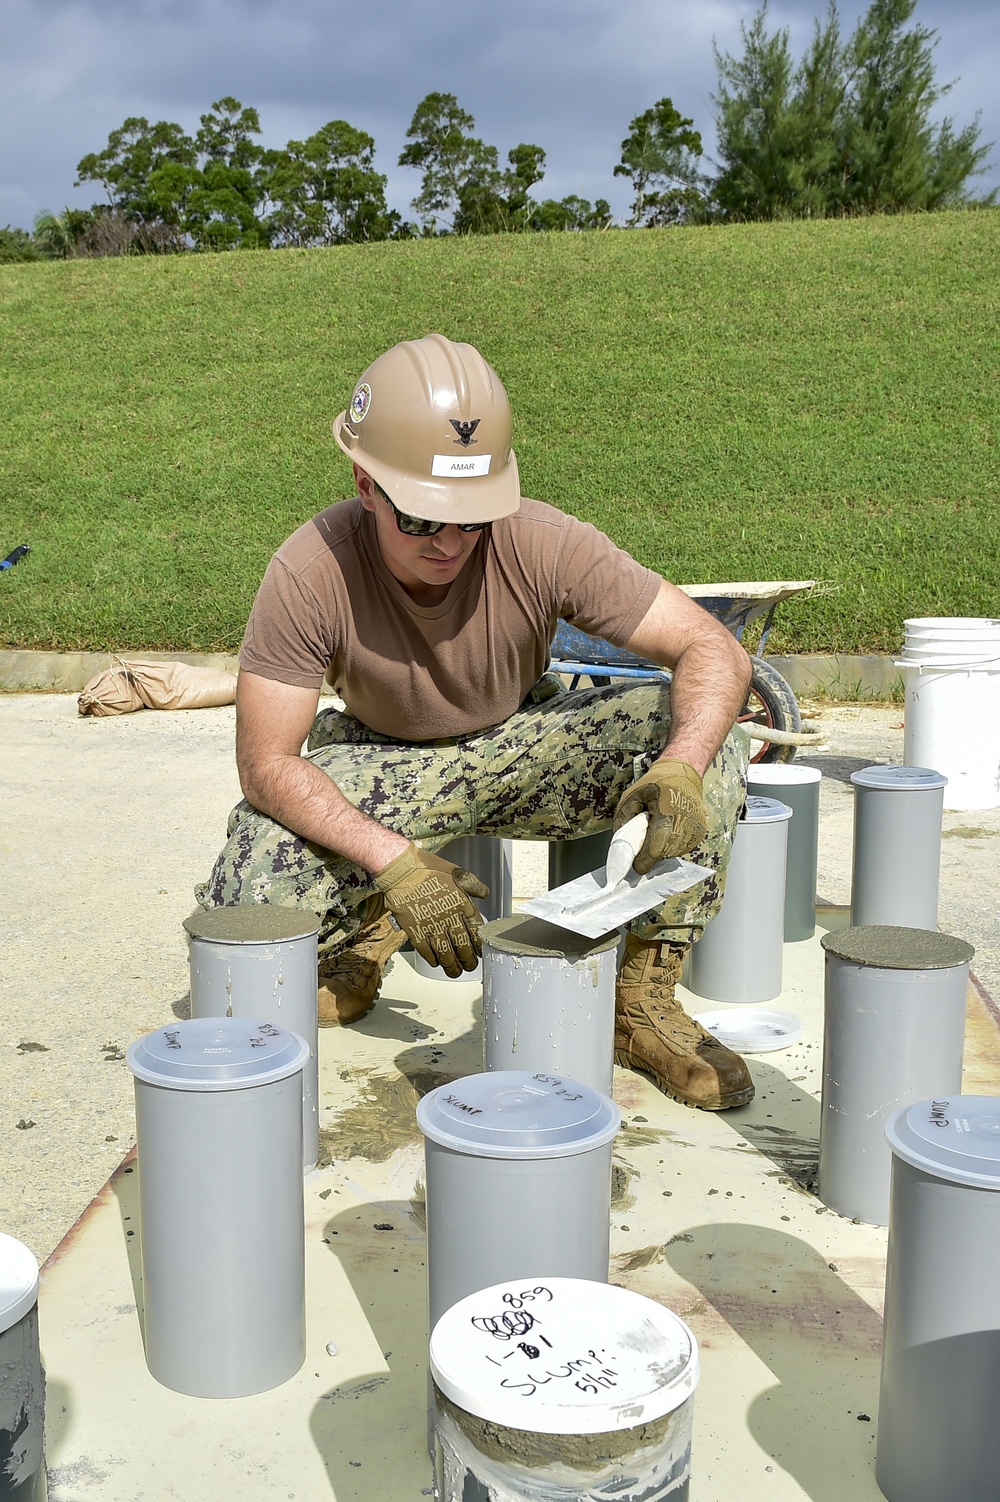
(430, 422)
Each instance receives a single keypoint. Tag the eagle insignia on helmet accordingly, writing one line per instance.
(465, 430)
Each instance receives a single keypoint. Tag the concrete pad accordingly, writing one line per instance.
(713, 1215)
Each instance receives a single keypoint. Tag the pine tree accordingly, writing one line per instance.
(847, 129)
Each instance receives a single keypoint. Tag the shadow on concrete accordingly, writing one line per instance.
(838, 767)
(820, 1341)
(59, 1413)
(124, 1185)
(371, 1431)
(182, 1006)
(782, 1123)
(381, 1248)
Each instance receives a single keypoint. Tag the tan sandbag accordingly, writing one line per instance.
(179, 685)
(133, 683)
(112, 692)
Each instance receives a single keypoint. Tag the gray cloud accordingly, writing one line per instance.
(568, 75)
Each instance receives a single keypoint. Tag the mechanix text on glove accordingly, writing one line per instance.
(429, 899)
(671, 794)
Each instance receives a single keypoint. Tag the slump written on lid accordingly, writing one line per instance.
(898, 779)
(953, 1137)
(216, 1053)
(18, 1281)
(563, 1356)
(511, 1113)
(766, 810)
(253, 923)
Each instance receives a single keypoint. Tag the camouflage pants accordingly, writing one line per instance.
(554, 770)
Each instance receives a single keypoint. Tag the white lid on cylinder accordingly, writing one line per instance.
(18, 1281)
(216, 1053)
(512, 1113)
(563, 1356)
(766, 810)
(898, 779)
(781, 774)
(954, 1137)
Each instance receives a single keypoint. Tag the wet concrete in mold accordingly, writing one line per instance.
(580, 1452)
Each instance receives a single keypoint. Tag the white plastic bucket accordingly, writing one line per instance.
(951, 671)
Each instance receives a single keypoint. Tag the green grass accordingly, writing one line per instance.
(760, 402)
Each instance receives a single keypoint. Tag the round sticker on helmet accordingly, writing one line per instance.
(360, 402)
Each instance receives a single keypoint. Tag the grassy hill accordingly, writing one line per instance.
(768, 401)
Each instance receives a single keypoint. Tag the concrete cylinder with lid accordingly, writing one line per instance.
(938, 1435)
(897, 846)
(739, 955)
(518, 1174)
(492, 861)
(259, 961)
(218, 1105)
(894, 1032)
(549, 1000)
(552, 1389)
(798, 787)
(22, 1381)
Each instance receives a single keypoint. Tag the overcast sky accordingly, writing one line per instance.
(567, 75)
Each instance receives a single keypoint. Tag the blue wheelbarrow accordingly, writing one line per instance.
(770, 705)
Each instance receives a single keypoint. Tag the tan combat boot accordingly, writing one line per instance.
(349, 980)
(654, 1033)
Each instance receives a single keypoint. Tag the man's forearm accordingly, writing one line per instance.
(708, 690)
(305, 800)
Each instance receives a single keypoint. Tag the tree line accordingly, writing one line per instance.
(844, 129)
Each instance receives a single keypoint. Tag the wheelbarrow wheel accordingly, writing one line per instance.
(772, 704)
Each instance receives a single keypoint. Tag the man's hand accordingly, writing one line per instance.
(671, 794)
(429, 899)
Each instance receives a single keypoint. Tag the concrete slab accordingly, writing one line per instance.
(713, 1215)
(106, 825)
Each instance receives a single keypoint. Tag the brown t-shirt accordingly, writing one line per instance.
(329, 607)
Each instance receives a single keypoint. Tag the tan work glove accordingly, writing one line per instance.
(427, 897)
(671, 794)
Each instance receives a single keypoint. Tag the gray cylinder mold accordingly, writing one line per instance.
(894, 1032)
(518, 1170)
(897, 846)
(218, 1105)
(557, 1389)
(549, 1001)
(938, 1435)
(739, 955)
(260, 961)
(491, 860)
(569, 859)
(798, 787)
(22, 1381)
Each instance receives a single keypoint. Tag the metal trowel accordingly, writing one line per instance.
(594, 904)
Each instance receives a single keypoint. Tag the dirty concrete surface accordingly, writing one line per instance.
(105, 827)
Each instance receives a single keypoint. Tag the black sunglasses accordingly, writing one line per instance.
(419, 526)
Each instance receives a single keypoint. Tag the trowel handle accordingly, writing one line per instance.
(625, 846)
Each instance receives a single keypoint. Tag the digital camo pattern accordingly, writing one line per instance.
(554, 770)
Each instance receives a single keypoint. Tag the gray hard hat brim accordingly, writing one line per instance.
(479, 498)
